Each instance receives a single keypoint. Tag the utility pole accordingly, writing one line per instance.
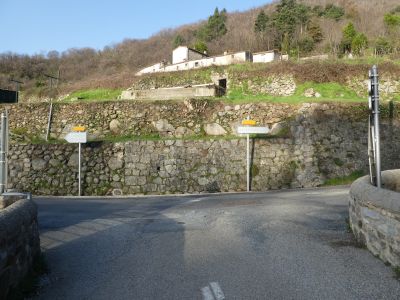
(51, 78)
(51, 101)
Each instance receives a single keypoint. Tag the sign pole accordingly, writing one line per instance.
(3, 154)
(79, 171)
(78, 136)
(248, 162)
(250, 128)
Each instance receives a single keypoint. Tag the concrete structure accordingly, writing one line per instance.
(196, 91)
(316, 57)
(375, 216)
(266, 56)
(184, 58)
(19, 240)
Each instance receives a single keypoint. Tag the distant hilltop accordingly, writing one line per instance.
(185, 58)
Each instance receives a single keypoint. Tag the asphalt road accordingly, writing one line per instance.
(274, 245)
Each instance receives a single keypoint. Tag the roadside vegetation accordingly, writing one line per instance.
(328, 91)
(344, 180)
(93, 95)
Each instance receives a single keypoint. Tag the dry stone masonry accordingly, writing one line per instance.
(375, 216)
(19, 240)
(309, 144)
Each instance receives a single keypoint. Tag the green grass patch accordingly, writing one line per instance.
(344, 180)
(94, 95)
(369, 60)
(330, 92)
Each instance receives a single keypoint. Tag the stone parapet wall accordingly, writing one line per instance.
(19, 242)
(375, 216)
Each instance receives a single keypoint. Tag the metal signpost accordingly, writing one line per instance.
(374, 149)
(77, 136)
(249, 128)
(3, 152)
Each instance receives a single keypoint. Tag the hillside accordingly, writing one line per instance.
(114, 66)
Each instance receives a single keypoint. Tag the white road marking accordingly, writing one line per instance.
(196, 200)
(207, 294)
(218, 293)
(215, 293)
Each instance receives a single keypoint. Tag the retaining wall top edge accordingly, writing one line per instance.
(17, 213)
(364, 192)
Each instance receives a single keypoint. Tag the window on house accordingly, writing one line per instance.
(196, 64)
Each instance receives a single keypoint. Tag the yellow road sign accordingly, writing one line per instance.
(78, 128)
(249, 122)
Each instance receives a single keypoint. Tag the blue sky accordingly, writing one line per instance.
(38, 26)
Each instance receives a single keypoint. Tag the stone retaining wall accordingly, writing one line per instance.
(304, 152)
(309, 143)
(375, 216)
(105, 120)
(19, 241)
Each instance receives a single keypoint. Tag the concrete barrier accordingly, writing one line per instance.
(375, 216)
(205, 90)
(19, 240)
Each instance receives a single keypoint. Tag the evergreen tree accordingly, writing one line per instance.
(215, 27)
(261, 23)
(333, 12)
(349, 32)
(392, 24)
(200, 46)
(359, 43)
(306, 45)
(285, 18)
(353, 41)
(303, 16)
(315, 32)
(383, 46)
(178, 41)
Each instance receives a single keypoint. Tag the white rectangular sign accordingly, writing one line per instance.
(76, 137)
(252, 130)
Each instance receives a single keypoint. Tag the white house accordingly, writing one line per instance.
(184, 58)
(183, 54)
(266, 56)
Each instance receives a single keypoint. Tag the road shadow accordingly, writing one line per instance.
(99, 247)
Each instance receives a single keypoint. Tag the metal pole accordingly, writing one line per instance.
(248, 162)
(3, 153)
(49, 121)
(6, 154)
(376, 126)
(79, 171)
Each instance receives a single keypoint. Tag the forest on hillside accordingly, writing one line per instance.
(297, 27)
